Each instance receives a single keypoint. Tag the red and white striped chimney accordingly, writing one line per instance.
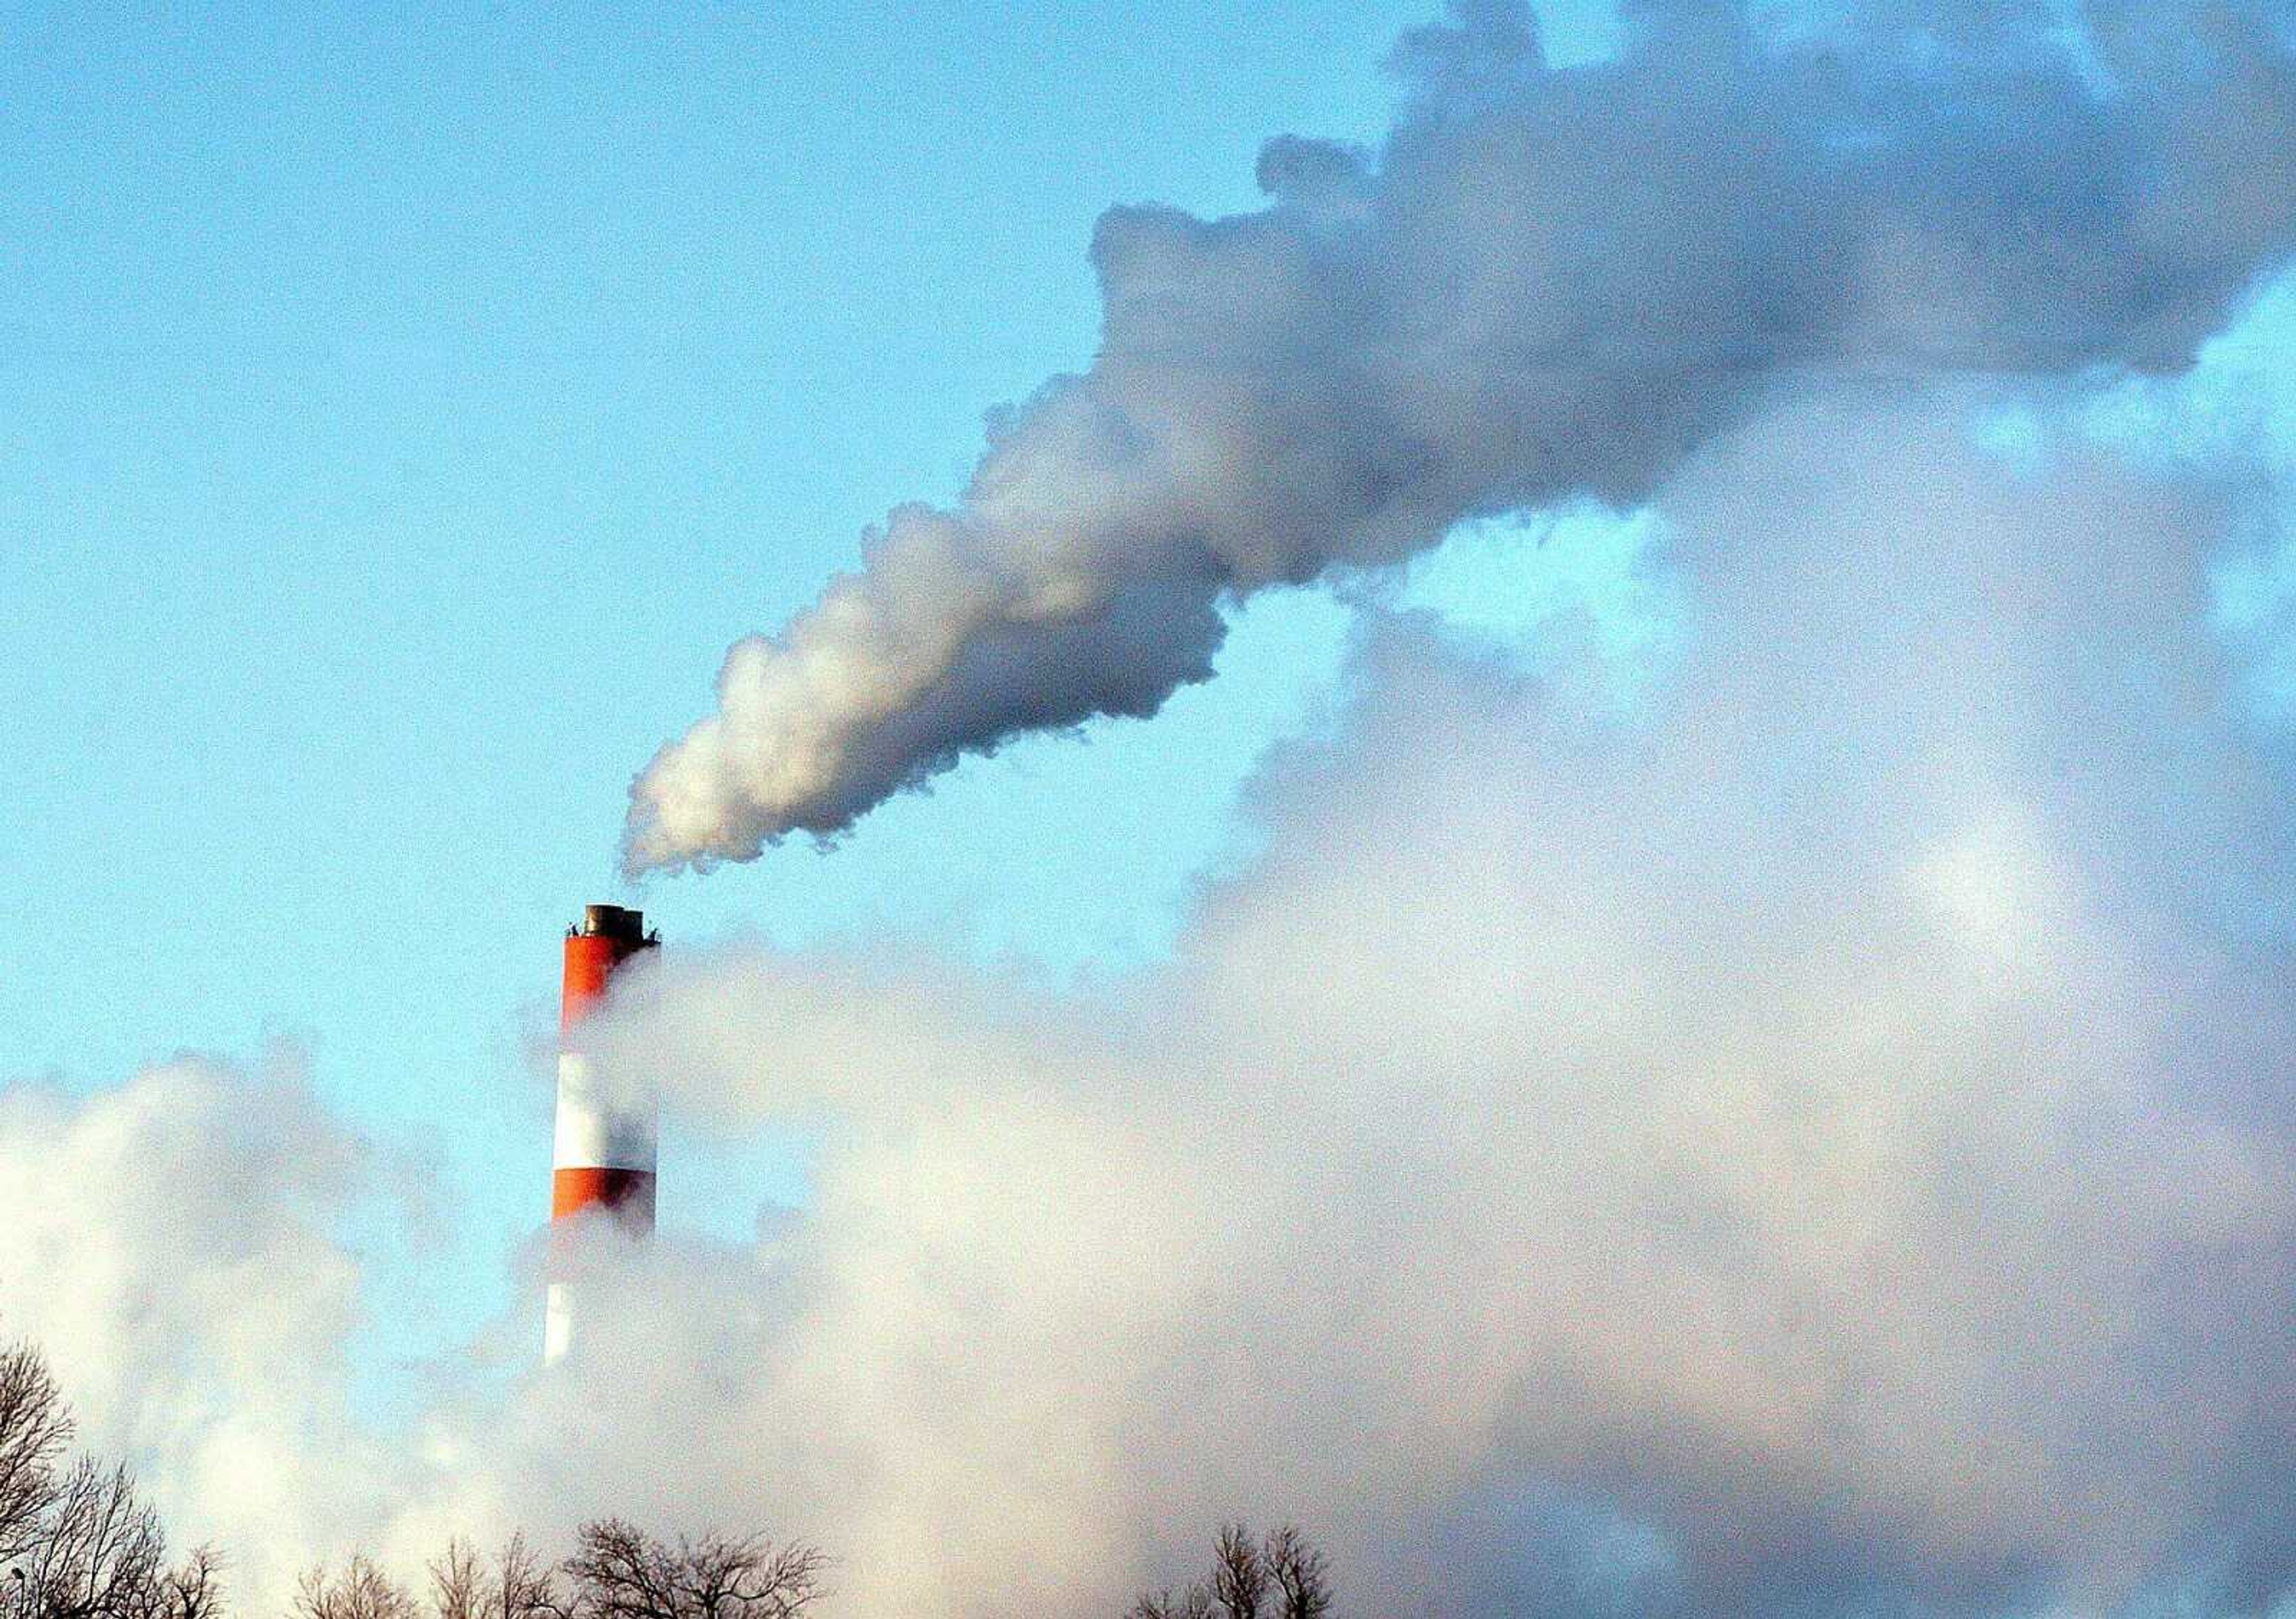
(603, 1164)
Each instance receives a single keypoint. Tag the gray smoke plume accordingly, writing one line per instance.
(1549, 281)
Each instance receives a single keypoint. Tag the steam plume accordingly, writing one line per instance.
(1823, 1149)
(1548, 282)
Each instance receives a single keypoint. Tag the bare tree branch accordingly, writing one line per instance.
(35, 1426)
(1238, 1579)
(193, 1588)
(361, 1591)
(1193, 1603)
(458, 1582)
(620, 1572)
(100, 1552)
(1298, 1569)
(1244, 1573)
(525, 1587)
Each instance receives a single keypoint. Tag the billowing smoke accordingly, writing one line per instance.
(175, 1245)
(1819, 1145)
(1547, 282)
(1820, 1148)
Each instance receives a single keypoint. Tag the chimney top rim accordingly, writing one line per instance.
(613, 922)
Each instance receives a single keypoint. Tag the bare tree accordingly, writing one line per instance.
(35, 1426)
(81, 1544)
(1193, 1603)
(361, 1591)
(524, 1586)
(193, 1588)
(1239, 1577)
(1244, 1573)
(620, 1572)
(459, 1583)
(748, 1579)
(1299, 1571)
(100, 1549)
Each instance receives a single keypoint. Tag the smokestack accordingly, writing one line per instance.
(603, 1158)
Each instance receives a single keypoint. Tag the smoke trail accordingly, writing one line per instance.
(1548, 282)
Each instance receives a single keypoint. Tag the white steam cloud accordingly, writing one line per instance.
(1820, 1146)
(1829, 1140)
(175, 1246)
(1548, 282)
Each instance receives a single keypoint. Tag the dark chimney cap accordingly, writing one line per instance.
(614, 922)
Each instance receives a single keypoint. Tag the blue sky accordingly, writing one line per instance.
(404, 413)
